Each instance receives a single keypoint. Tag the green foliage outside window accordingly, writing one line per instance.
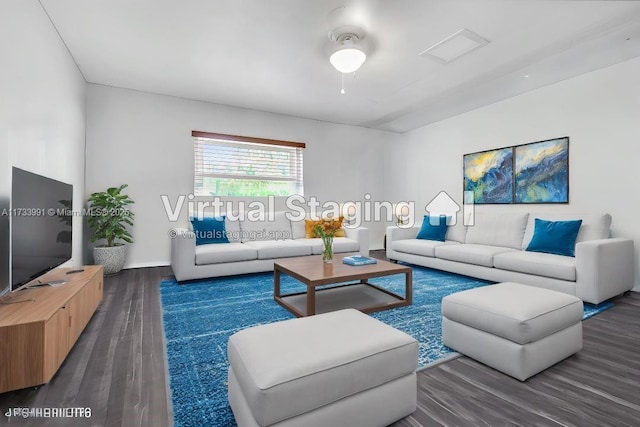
(246, 187)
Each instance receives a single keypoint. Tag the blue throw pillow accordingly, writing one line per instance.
(433, 232)
(555, 237)
(210, 230)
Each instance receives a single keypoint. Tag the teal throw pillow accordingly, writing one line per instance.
(429, 231)
(210, 230)
(555, 237)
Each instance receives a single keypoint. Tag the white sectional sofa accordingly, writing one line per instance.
(494, 249)
(253, 246)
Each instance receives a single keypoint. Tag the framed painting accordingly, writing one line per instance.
(542, 172)
(489, 175)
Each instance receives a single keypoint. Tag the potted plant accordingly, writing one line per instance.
(109, 216)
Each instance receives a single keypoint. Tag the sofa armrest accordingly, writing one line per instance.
(604, 269)
(183, 251)
(361, 235)
(398, 233)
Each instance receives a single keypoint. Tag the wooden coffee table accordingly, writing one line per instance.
(361, 295)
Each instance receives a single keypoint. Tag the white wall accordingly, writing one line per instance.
(42, 108)
(599, 111)
(144, 140)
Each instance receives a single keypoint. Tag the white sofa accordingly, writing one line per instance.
(493, 249)
(253, 246)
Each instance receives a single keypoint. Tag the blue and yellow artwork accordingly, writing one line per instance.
(489, 174)
(542, 172)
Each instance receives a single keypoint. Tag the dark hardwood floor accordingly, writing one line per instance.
(118, 369)
(599, 386)
(118, 366)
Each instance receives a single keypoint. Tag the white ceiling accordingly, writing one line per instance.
(272, 55)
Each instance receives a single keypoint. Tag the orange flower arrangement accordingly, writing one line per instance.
(326, 229)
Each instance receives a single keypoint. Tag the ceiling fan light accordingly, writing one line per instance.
(347, 60)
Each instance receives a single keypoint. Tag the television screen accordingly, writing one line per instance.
(41, 215)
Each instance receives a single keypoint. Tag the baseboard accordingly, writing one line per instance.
(147, 264)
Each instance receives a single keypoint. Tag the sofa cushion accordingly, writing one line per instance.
(555, 237)
(340, 245)
(279, 248)
(419, 246)
(540, 264)
(226, 252)
(292, 367)
(232, 225)
(470, 253)
(298, 229)
(264, 228)
(593, 227)
(209, 230)
(497, 230)
(457, 232)
(433, 228)
(516, 312)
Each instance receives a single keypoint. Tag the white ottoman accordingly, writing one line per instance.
(342, 368)
(517, 329)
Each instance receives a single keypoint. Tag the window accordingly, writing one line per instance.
(229, 165)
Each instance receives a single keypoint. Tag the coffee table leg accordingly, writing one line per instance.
(311, 300)
(276, 283)
(408, 288)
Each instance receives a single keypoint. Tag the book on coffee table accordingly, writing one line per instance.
(358, 260)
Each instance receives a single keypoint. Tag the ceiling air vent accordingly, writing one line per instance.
(453, 47)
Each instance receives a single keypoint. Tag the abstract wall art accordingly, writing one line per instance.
(489, 175)
(542, 172)
(537, 172)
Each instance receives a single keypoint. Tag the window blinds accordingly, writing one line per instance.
(231, 167)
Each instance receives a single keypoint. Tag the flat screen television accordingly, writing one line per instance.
(41, 216)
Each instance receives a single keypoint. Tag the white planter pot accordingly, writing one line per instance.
(111, 258)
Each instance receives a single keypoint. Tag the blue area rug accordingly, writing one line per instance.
(199, 318)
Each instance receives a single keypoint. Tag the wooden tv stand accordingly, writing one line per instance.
(39, 326)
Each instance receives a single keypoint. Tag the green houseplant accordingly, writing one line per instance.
(109, 216)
